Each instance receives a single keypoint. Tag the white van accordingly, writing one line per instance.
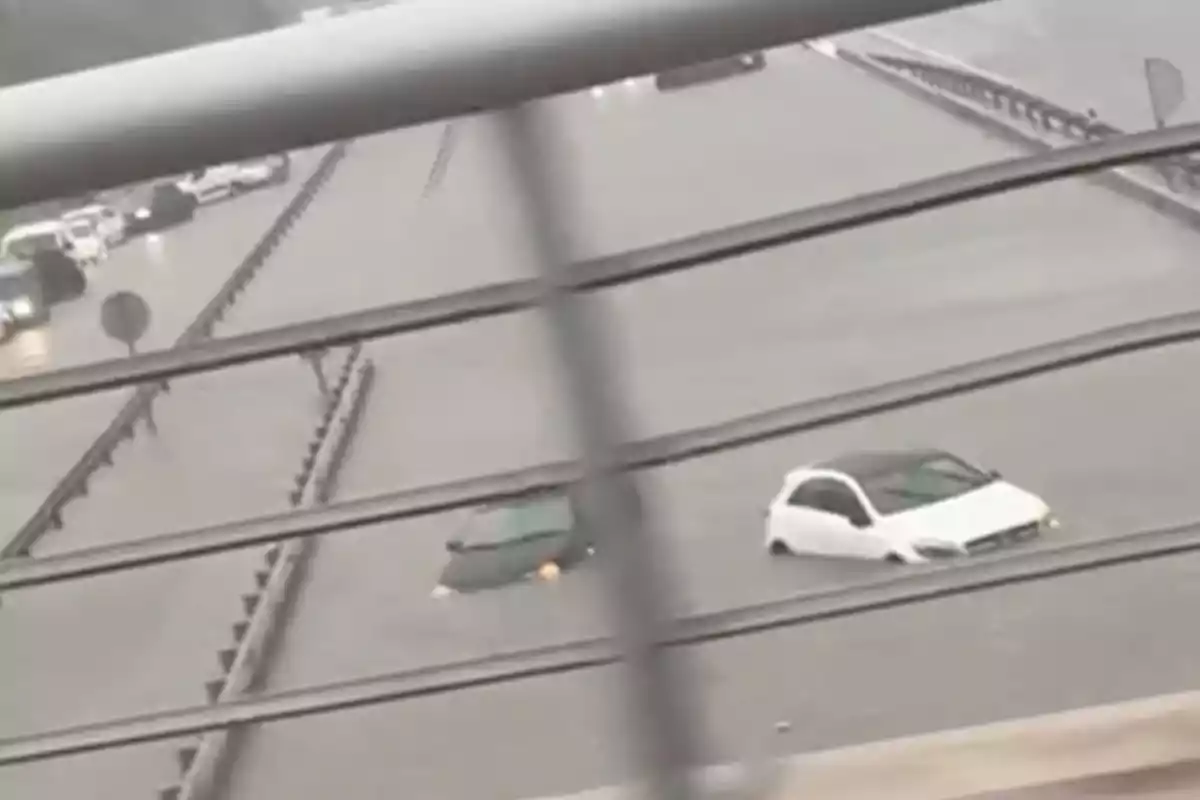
(78, 240)
(211, 183)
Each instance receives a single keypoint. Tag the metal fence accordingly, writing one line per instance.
(362, 79)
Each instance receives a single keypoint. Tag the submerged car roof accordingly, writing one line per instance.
(864, 464)
(494, 525)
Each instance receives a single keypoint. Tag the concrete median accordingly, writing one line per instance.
(203, 763)
(1135, 749)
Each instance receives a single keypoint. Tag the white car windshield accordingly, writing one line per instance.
(921, 482)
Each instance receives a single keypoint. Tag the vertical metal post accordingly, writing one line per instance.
(659, 703)
(316, 360)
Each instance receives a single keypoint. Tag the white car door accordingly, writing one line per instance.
(856, 532)
(828, 516)
(807, 525)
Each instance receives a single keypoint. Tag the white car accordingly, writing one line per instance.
(78, 240)
(109, 223)
(211, 183)
(259, 172)
(907, 506)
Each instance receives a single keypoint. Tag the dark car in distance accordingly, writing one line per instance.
(710, 71)
(22, 299)
(167, 206)
(539, 536)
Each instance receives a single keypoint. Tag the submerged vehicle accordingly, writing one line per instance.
(907, 506)
(22, 301)
(536, 537)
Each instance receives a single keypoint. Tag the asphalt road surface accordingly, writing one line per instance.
(1103, 444)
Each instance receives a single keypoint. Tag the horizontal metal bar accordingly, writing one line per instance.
(906, 589)
(400, 65)
(652, 452)
(650, 262)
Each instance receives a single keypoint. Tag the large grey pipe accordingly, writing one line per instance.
(401, 65)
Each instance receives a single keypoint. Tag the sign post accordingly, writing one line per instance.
(316, 360)
(1167, 93)
(125, 317)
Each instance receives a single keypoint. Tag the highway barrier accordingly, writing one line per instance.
(1120, 750)
(1029, 109)
(74, 484)
(1170, 185)
(266, 609)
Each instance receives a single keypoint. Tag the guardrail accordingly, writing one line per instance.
(1118, 750)
(1181, 174)
(204, 763)
(48, 515)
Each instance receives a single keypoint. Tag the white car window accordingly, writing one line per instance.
(79, 230)
(829, 495)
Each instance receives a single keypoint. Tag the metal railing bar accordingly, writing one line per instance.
(803, 609)
(656, 451)
(396, 66)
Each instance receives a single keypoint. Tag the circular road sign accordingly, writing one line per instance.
(125, 317)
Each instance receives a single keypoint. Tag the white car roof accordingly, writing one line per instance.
(810, 471)
(34, 228)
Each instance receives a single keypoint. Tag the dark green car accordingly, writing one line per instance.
(504, 544)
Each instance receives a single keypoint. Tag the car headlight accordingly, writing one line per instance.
(22, 307)
(1048, 523)
(142, 213)
(936, 551)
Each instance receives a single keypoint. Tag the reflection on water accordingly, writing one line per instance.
(27, 352)
(156, 248)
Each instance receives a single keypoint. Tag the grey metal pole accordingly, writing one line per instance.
(404, 64)
(658, 698)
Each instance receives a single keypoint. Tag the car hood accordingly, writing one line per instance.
(990, 509)
(487, 568)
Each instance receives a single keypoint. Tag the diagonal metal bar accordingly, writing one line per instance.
(658, 696)
(655, 451)
(650, 262)
(802, 609)
(404, 64)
